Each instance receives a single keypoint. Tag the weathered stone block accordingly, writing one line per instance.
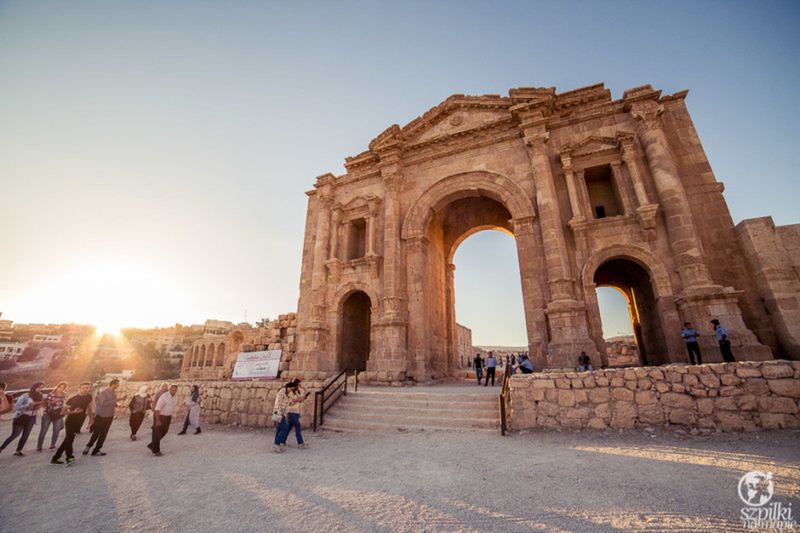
(624, 415)
(775, 404)
(646, 398)
(622, 395)
(676, 400)
(683, 417)
(785, 387)
(776, 371)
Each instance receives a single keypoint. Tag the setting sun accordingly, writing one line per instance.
(107, 294)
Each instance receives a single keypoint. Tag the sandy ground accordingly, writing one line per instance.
(226, 480)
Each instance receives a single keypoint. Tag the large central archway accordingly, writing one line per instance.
(439, 221)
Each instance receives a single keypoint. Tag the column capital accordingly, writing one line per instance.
(523, 225)
(647, 114)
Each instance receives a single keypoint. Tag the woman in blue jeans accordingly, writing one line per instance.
(296, 396)
(25, 411)
(51, 415)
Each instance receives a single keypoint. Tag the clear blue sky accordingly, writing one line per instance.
(171, 142)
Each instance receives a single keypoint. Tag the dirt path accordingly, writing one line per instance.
(226, 480)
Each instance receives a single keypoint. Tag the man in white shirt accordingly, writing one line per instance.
(162, 417)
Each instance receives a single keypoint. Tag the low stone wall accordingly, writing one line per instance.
(727, 396)
(235, 403)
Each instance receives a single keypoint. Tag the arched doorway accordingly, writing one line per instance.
(634, 283)
(354, 332)
(454, 218)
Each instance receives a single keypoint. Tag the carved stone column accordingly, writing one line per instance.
(533, 297)
(575, 200)
(646, 210)
(619, 183)
(392, 268)
(418, 347)
(319, 274)
(569, 331)
(672, 196)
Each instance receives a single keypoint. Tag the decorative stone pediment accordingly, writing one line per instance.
(456, 115)
(590, 145)
(361, 206)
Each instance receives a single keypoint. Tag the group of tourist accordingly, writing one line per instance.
(519, 362)
(523, 364)
(690, 336)
(58, 412)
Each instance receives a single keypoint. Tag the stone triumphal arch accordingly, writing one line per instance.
(596, 192)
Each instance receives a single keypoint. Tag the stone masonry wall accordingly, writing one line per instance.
(740, 396)
(234, 403)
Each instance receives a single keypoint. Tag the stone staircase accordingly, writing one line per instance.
(423, 408)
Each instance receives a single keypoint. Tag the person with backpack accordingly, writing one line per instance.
(53, 405)
(138, 407)
(25, 411)
(76, 409)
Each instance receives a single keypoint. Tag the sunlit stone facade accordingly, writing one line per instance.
(596, 192)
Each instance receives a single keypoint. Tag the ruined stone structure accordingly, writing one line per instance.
(464, 345)
(214, 356)
(596, 192)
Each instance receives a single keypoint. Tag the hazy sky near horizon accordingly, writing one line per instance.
(154, 155)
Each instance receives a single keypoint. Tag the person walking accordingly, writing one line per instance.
(491, 365)
(690, 335)
(478, 362)
(162, 418)
(138, 407)
(279, 411)
(724, 342)
(161, 390)
(25, 410)
(192, 412)
(296, 397)
(51, 415)
(76, 410)
(106, 406)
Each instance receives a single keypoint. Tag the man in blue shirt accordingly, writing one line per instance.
(690, 335)
(724, 343)
(491, 364)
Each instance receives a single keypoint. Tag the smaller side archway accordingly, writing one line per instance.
(354, 331)
(220, 360)
(643, 280)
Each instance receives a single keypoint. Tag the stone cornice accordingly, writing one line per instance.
(535, 110)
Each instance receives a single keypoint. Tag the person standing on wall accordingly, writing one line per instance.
(690, 335)
(491, 366)
(106, 406)
(192, 412)
(76, 410)
(724, 342)
(162, 418)
(53, 406)
(478, 362)
(25, 410)
(138, 407)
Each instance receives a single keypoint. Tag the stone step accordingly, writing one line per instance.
(426, 396)
(420, 419)
(488, 403)
(350, 408)
(333, 422)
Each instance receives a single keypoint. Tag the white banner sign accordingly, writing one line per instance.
(257, 365)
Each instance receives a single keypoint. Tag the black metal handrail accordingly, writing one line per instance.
(504, 396)
(327, 392)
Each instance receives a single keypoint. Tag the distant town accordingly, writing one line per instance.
(74, 352)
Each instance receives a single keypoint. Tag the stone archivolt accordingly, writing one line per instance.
(596, 191)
